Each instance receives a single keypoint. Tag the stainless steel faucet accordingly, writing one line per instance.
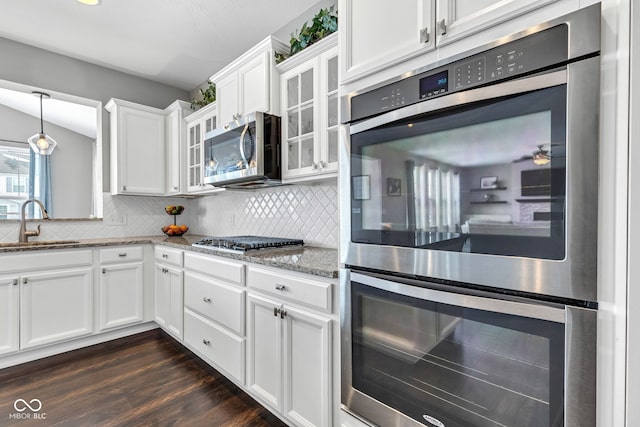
(24, 233)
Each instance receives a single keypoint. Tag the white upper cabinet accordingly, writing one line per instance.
(250, 83)
(175, 132)
(374, 36)
(137, 148)
(309, 107)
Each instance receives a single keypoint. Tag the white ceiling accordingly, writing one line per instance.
(176, 42)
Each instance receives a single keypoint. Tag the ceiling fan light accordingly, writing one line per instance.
(541, 157)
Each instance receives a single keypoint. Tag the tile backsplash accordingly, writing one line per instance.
(308, 212)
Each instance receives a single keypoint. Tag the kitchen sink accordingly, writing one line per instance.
(37, 243)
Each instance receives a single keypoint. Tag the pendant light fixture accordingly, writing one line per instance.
(541, 156)
(42, 143)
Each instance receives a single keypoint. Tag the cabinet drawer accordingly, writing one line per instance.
(304, 291)
(217, 301)
(230, 271)
(168, 256)
(47, 259)
(223, 349)
(121, 254)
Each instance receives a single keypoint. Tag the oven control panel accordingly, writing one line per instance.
(529, 54)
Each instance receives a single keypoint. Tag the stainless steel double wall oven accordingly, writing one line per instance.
(469, 235)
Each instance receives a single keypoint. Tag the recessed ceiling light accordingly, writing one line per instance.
(91, 2)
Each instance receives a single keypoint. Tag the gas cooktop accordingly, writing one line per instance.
(243, 244)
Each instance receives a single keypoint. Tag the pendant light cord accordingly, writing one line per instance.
(41, 121)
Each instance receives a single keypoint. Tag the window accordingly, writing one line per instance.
(14, 178)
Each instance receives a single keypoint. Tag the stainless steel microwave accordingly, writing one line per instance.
(245, 154)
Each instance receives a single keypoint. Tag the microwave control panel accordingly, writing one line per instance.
(535, 52)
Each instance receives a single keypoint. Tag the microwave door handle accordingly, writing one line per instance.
(241, 143)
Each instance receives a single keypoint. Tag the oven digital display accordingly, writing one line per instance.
(434, 84)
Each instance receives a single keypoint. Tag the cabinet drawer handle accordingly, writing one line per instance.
(122, 254)
(281, 288)
(205, 299)
(206, 342)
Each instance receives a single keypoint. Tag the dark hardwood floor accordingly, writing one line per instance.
(143, 380)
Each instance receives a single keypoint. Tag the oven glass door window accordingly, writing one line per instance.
(461, 366)
(482, 178)
(232, 151)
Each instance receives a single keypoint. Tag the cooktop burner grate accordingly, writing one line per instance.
(241, 244)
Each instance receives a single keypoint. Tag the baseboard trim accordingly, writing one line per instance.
(51, 350)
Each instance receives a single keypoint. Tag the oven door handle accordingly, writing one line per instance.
(458, 99)
(531, 310)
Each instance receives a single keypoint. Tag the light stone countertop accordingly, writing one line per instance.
(307, 259)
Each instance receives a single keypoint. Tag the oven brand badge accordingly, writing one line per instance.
(28, 410)
(433, 421)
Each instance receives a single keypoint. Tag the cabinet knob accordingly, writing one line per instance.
(281, 288)
(15, 282)
(165, 256)
(424, 35)
(283, 314)
(124, 188)
(25, 280)
(206, 342)
(175, 187)
(104, 271)
(323, 164)
(276, 310)
(443, 27)
(315, 165)
(205, 299)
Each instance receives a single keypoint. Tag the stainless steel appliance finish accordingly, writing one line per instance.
(452, 358)
(558, 61)
(245, 154)
(243, 244)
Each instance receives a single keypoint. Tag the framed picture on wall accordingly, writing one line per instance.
(361, 187)
(488, 182)
(393, 186)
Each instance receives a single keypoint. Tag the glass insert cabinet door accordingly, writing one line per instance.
(300, 118)
(330, 62)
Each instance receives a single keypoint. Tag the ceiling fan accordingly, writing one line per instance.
(540, 156)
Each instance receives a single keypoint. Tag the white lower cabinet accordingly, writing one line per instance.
(169, 310)
(169, 290)
(55, 306)
(9, 314)
(121, 287)
(289, 360)
(214, 319)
